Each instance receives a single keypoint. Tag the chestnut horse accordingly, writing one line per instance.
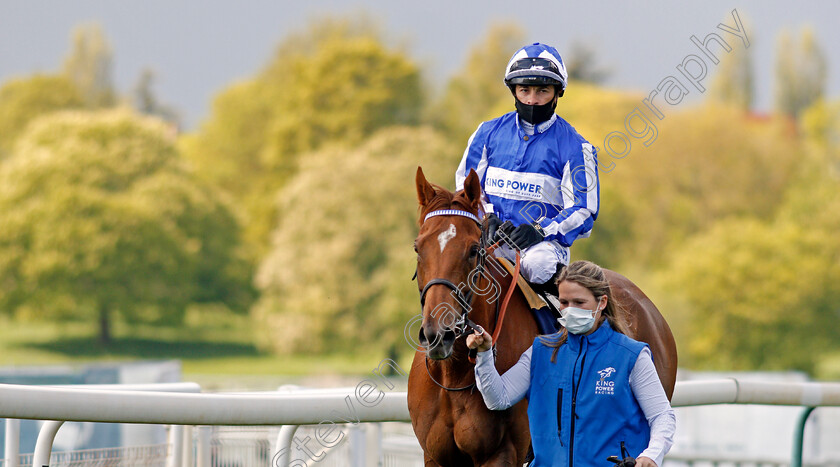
(448, 414)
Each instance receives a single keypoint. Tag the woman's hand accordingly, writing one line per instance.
(643, 461)
(482, 342)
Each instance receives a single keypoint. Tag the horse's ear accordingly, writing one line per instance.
(425, 190)
(472, 188)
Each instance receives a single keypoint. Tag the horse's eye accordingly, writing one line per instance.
(474, 251)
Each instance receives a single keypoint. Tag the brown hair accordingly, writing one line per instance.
(590, 276)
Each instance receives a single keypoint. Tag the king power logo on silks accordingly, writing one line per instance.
(603, 386)
(526, 186)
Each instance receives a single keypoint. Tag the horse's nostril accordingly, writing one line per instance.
(423, 341)
(449, 337)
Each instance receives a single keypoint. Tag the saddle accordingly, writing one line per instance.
(539, 300)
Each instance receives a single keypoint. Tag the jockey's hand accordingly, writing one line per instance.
(480, 341)
(643, 461)
(491, 224)
(503, 233)
(525, 236)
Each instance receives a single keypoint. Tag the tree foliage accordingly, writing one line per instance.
(338, 275)
(801, 72)
(761, 295)
(772, 278)
(582, 65)
(24, 99)
(334, 83)
(89, 65)
(706, 164)
(727, 219)
(775, 282)
(145, 101)
(734, 80)
(101, 217)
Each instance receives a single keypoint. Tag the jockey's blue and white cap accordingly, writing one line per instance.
(536, 64)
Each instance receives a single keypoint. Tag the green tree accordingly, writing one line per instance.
(101, 217)
(24, 99)
(581, 62)
(760, 296)
(734, 81)
(146, 101)
(89, 65)
(342, 258)
(342, 93)
(334, 83)
(801, 72)
(820, 126)
(774, 279)
(705, 165)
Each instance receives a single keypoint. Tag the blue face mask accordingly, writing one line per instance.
(577, 320)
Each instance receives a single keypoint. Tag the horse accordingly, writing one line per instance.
(448, 415)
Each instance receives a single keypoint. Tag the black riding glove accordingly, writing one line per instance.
(525, 236)
(491, 224)
(503, 233)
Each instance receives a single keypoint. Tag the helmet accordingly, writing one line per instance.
(536, 64)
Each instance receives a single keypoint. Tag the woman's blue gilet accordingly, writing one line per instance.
(581, 406)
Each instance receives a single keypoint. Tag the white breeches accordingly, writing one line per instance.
(539, 262)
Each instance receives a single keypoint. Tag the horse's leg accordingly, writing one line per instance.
(504, 457)
(429, 462)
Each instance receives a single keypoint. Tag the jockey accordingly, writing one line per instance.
(539, 177)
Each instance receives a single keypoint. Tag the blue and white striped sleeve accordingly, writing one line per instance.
(475, 157)
(501, 392)
(580, 192)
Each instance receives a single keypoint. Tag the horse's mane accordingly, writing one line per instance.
(445, 199)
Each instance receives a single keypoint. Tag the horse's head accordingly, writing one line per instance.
(448, 249)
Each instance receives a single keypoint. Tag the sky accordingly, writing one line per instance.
(198, 47)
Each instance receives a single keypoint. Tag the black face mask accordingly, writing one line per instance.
(535, 114)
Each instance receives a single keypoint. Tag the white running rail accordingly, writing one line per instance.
(97, 405)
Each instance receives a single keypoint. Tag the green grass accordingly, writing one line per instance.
(215, 349)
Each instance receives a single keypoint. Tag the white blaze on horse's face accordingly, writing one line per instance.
(445, 236)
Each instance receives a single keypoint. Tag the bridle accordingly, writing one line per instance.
(465, 299)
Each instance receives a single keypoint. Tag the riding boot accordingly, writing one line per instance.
(548, 291)
(547, 316)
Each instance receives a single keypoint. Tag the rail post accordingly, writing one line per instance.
(799, 437)
(202, 451)
(283, 447)
(358, 443)
(187, 442)
(12, 451)
(176, 440)
(43, 447)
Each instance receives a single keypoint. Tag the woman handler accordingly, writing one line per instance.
(589, 387)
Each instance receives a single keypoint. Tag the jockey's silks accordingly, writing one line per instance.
(549, 176)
